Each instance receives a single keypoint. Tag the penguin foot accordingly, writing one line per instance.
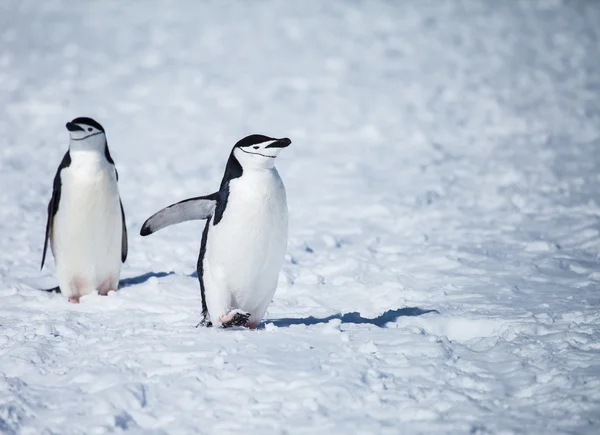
(104, 288)
(78, 287)
(234, 318)
(205, 321)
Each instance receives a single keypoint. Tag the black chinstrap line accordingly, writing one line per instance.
(89, 135)
(256, 154)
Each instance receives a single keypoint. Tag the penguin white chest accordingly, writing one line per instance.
(246, 248)
(87, 230)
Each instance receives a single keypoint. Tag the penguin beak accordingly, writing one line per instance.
(280, 143)
(73, 127)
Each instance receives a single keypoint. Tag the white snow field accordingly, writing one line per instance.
(443, 268)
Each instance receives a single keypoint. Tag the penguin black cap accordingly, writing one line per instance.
(255, 139)
(73, 125)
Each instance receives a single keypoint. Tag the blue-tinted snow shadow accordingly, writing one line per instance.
(356, 318)
(127, 282)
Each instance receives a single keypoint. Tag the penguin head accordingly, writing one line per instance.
(259, 151)
(86, 133)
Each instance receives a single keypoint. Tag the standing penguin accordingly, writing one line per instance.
(245, 236)
(86, 221)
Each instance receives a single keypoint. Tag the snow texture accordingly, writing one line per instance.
(443, 267)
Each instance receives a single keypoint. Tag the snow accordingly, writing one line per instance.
(443, 267)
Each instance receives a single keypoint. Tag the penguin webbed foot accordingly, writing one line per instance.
(235, 318)
(205, 321)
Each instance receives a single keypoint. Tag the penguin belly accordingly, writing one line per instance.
(246, 249)
(87, 230)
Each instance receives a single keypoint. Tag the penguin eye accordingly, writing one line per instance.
(255, 147)
(89, 128)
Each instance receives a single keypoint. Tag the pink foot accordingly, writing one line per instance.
(234, 318)
(105, 287)
(251, 325)
(77, 284)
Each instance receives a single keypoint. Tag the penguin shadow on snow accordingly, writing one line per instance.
(356, 318)
(140, 279)
(126, 282)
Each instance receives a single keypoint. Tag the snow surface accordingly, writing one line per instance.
(445, 156)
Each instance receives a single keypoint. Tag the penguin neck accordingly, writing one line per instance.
(259, 168)
(234, 169)
(91, 145)
(88, 150)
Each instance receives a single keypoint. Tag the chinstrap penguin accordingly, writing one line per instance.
(245, 236)
(86, 222)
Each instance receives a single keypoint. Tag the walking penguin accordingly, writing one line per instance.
(245, 236)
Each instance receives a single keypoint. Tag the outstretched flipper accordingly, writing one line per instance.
(201, 207)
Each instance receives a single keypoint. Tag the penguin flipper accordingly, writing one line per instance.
(54, 201)
(49, 223)
(201, 207)
(124, 235)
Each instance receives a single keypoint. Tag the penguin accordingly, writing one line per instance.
(245, 236)
(86, 221)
